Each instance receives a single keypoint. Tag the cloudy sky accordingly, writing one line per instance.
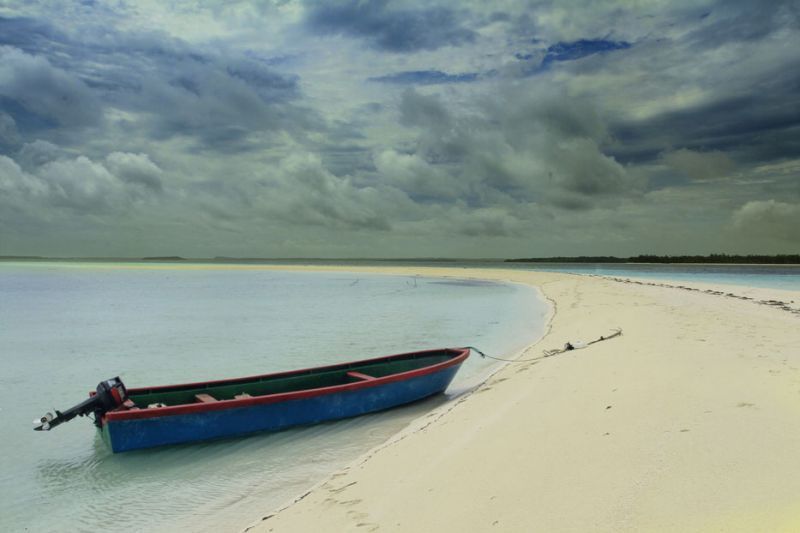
(399, 129)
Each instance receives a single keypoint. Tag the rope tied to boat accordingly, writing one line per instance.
(569, 346)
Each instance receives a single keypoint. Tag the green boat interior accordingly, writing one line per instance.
(265, 385)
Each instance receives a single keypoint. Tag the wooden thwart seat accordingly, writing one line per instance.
(359, 375)
(205, 398)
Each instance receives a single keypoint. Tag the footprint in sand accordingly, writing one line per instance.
(340, 489)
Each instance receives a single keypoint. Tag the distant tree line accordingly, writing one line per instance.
(579, 259)
(785, 259)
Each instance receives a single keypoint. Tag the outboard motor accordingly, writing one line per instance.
(110, 394)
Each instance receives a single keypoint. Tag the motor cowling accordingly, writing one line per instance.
(110, 393)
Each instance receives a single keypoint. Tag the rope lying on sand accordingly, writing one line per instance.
(549, 353)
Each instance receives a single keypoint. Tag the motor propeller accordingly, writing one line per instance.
(43, 424)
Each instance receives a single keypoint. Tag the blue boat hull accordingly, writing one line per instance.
(126, 435)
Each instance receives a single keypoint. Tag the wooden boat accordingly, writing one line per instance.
(130, 419)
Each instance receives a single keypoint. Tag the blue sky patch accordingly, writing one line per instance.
(570, 51)
(425, 77)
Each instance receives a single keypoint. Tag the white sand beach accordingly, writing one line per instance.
(690, 421)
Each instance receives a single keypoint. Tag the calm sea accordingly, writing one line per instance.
(66, 326)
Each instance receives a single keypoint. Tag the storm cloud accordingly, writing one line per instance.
(395, 29)
(41, 95)
(384, 129)
(769, 219)
(532, 148)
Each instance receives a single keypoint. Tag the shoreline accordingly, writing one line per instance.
(524, 449)
(430, 417)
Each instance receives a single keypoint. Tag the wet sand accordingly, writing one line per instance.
(689, 421)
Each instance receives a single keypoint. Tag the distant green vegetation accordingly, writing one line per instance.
(579, 259)
(787, 259)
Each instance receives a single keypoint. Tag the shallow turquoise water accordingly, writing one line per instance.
(783, 277)
(66, 326)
